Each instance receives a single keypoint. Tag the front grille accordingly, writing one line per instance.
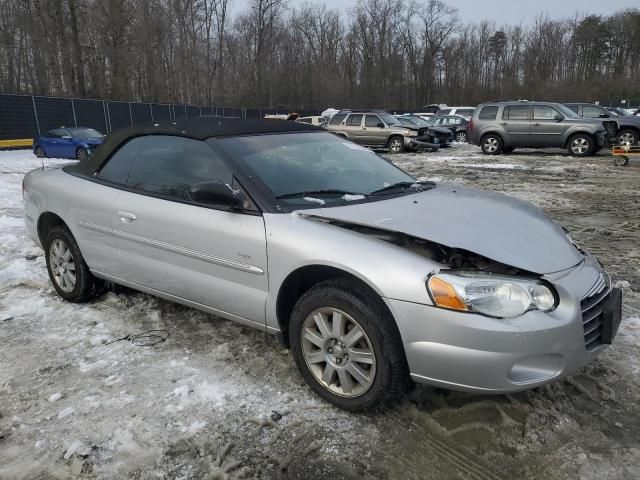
(422, 132)
(592, 306)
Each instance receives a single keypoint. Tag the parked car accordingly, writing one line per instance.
(434, 134)
(318, 121)
(76, 142)
(628, 132)
(502, 126)
(619, 112)
(368, 275)
(377, 128)
(456, 124)
(464, 112)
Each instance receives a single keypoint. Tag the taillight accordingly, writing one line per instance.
(470, 126)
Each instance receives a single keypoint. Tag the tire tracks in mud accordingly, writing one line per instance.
(465, 464)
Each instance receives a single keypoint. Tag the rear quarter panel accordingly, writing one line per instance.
(76, 201)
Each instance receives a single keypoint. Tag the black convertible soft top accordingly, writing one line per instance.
(198, 128)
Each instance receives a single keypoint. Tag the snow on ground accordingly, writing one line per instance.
(218, 400)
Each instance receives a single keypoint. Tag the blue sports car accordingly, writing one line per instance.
(78, 142)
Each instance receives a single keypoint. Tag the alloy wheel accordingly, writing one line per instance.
(338, 352)
(491, 145)
(461, 137)
(40, 152)
(627, 138)
(82, 154)
(395, 146)
(579, 146)
(63, 268)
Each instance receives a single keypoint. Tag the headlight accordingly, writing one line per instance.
(493, 295)
(411, 133)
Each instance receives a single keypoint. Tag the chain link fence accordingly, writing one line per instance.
(24, 116)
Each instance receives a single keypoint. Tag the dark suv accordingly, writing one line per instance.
(502, 126)
(628, 126)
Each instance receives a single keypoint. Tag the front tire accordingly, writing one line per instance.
(67, 269)
(581, 145)
(347, 347)
(396, 144)
(491, 144)
(40, 153)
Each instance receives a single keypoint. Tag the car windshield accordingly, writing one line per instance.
(311, 170)
(389, 119)
(566, 111)
(85, 133)
(621, 112)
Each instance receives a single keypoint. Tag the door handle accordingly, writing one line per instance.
(126, 217)
(536, 124)
(503, 123)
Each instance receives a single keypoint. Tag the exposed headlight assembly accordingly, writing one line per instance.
(497, 296)
(410, 133)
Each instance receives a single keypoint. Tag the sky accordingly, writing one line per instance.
(506, 11)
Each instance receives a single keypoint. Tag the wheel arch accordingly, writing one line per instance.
(633, 128)
(46, 221)
(301, 280)
(581, 131)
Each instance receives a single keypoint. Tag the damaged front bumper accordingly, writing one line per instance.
(471, 352)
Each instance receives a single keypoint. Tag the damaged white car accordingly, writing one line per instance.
(372, 278)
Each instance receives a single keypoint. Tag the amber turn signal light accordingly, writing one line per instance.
(444, 295)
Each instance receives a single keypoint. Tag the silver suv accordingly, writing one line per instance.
(374, 128)
(502, 126)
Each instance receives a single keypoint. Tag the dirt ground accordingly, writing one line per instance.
(221, 401)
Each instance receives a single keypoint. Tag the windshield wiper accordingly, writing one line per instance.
(329, 191)
(403, 186)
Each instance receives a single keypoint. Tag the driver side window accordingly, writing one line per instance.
(372, 121)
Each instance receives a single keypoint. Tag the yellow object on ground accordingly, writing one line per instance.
(18, 142)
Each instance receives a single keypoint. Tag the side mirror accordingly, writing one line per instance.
(558, 117)
(216, 193)
(604, 115)
(380, 125)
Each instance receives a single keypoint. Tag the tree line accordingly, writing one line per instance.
(380, 53)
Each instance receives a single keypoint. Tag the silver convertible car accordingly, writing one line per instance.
(372, 278)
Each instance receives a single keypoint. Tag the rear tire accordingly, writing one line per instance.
(81, 154)
(322, 342)
(581, 145)
(396, 144)
(40, 153)
(461, 137)
(67, 269)
(491, 144)
(628, 137)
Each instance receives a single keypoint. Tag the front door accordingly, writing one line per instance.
(207, 255)
(374, 130)
(546, 129)
(516, 125)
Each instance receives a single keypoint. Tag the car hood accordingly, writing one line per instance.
(493, 225)
(440, 130)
